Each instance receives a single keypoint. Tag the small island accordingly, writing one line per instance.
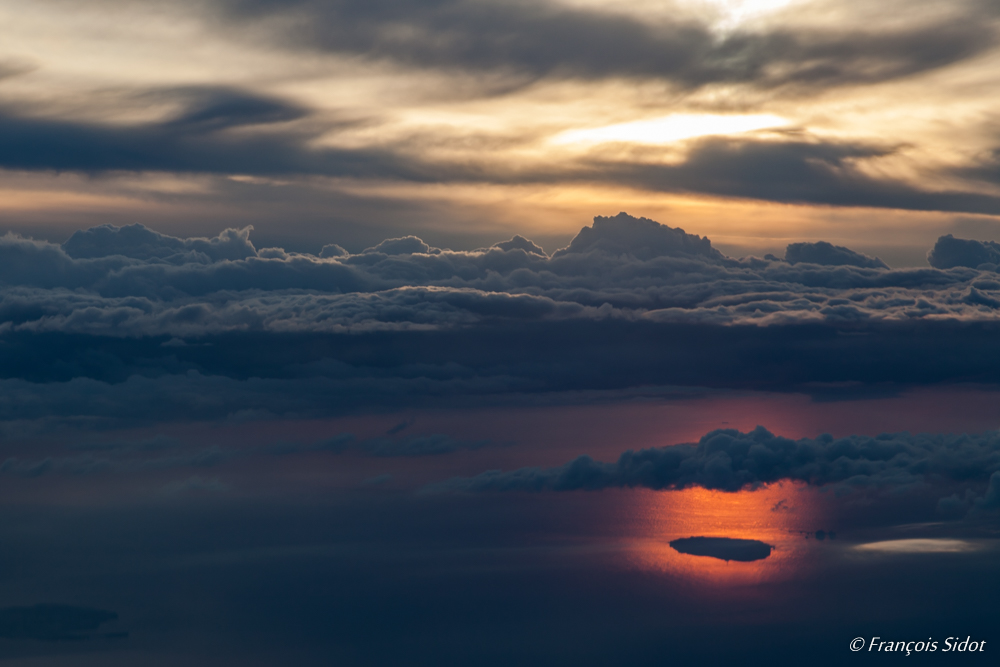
(724, 548)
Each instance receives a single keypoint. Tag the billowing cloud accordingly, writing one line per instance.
(826, 254)
(729, 460)
(217, 326)
(131, 281)
(950, 252)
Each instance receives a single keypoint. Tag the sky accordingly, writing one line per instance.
(489, 333)
(757, 123)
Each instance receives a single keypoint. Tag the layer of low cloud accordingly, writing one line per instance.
(134, 282)
(730, 460)
(216, 327)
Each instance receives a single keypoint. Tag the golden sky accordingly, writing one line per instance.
(756, 123)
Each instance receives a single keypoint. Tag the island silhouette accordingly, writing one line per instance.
(724, 548)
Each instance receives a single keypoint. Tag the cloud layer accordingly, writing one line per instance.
(132, 281)
(556, 40)
(729, 460)
(628, 303)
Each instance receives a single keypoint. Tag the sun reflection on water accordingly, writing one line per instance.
(786, 516)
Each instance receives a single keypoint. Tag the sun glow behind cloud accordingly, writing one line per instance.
(725, 15)
(668, 129)
(737, 12)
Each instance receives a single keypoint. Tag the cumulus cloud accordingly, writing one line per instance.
(730, 460)
(640, 238)
(139, 242)
(826, 254)
(518, 242)
(406, 322)
(132, 281)
(950, 252)
(408, 245)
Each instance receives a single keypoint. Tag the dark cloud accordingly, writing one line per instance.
(950, 252)
(729, 460)
(794, 171)
(641, 238)
(332, 250)
(826, 254)
(228, 131)
(215, 109)
(139, 242)
(201, 138)
(518, 242)
(215, 327)
(986, 169)
(408, 245)
(991, 499)
(549, 40)
(972, 503)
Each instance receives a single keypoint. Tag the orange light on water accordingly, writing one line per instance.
(785, 516)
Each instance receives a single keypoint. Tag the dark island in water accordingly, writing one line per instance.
(725, 548)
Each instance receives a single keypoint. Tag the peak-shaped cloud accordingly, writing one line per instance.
(139, 242)
(521, 243)
(641, 238)
(950, 252)
(826, 254)
(408, 245)
(332, 250)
